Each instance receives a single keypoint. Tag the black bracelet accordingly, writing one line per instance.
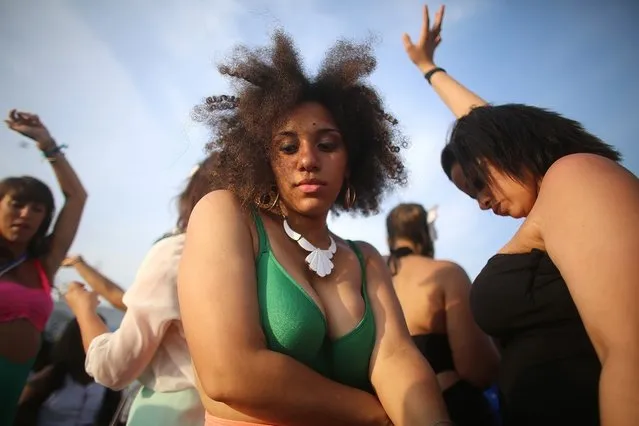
(430, 73)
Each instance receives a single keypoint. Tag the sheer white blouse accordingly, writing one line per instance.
(149, 345)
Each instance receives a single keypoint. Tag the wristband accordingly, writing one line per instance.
(430, 73)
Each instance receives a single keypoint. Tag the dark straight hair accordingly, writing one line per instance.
(200, 183)
(518, 140)
(408, 221)
(27, 189)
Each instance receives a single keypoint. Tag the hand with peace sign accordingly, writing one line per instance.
(422, 53)
(458, 98)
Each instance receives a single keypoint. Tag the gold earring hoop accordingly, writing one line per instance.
(349, 197)
(263, 204)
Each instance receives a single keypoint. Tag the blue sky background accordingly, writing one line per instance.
(115, 80)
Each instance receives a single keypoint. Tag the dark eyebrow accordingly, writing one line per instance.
(321, 130)
(324, 130)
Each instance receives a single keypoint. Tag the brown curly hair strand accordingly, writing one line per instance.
(269, 82)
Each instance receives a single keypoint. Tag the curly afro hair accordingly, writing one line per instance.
(269, 82)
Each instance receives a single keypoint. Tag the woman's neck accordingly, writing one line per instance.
(313, 229)
(11, 250)
(404, 242)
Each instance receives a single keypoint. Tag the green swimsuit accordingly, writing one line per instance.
(294, 325)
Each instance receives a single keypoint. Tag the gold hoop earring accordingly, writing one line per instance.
(349, 197)
(263, 204)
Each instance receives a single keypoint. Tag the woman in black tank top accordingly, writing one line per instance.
(434, 298)
(561, 297)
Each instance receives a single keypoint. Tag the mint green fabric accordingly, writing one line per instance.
(13, 377)
(294, 325)
(181, 408)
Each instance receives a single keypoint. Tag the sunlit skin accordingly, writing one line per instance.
(504, 195)
(309, 161)
(586, 219)
(19, 222)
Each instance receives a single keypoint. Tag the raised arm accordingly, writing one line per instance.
(75, 196)
(117, 359)
(102, 285)
(457, 98)
(401, 376)
(590, 211)
(220, 313)
(476, 358)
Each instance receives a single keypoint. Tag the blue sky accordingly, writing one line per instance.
(116, 81)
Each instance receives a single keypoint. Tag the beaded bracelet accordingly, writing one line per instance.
(51, 153)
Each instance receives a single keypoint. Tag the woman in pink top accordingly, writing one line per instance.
(30, 257)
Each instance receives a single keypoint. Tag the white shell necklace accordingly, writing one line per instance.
(319, 260)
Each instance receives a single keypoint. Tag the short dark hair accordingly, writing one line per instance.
(66, 360)
(27, 189)
(517, 139)
(270, 82)
(68, 353)
(199, 184)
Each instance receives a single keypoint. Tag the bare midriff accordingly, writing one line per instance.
(19, 340)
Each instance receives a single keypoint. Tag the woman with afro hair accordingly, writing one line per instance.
(287, 323)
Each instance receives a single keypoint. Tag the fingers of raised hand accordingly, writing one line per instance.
(408, 43)
(29, 119)
(75, 287)
(423, 35)
(428, 32)
(439, 19)
(70, 260)
(76, 291)
(19, 118)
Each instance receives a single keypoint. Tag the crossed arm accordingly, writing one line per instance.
(220, 314)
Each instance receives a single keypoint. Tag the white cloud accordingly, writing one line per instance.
(89, 100)
(194, 28)
(125, 114)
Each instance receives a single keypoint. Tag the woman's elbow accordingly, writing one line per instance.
(216, 389)
(479, 380)
(230, 389)
(107, 379)
(230, 383)
(109, 373)
(80, 195)
(76, 194)
(481, 375)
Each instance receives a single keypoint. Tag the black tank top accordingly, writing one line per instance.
(436, 350)
(465, 403)
(549, 371)
(434, 346)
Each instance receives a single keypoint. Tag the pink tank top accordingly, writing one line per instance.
(216, 421)
(34, 304)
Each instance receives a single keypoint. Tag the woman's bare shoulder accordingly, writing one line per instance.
(222, 213)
